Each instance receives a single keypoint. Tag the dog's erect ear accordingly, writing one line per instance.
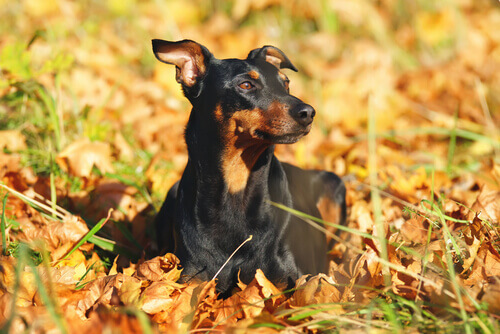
(190, 59)
(272, 55)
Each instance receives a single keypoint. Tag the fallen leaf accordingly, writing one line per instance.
(82, 155)
(12, 140)
(160, 268)
(318, 289)
(130, 291)
(158, 296)
(488, 204)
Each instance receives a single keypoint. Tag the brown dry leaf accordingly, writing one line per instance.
(130, 291)
(488, 204)
(124, 149)
(361, 213)
(405, 186)
(259, 295)
(248, 303)
(178, 317)
(491, 262)
(160, 268)
(318, 289)
(108, 321)
(491, 295)
(82, 155)
(111, 194)
(268, 289)
(103, 290)
(369, 269)
(9, 163)
(12, 140)
(473, 238)
(440, 292)
(414, 230)
(7, 273)
(53, 233)
(204, 301)
(158, 296)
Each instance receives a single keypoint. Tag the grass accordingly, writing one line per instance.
(3, 228)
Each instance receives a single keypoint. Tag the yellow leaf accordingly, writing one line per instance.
(73, 260)
(38, 8)
(130, 291)
(12, 140)
(435, 27)
(80, 270)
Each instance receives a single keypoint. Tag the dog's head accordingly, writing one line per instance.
(248, 98)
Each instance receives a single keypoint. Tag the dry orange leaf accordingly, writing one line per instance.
(160, 268)
(12, 140)
(488, 204)
(318, 289)
(82, 155)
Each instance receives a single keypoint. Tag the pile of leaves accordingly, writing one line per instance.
(91, 133)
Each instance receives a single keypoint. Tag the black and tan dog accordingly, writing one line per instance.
(241, 109)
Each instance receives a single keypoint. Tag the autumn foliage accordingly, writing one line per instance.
(91, 138)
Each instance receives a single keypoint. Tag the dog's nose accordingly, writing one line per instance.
(303, 114)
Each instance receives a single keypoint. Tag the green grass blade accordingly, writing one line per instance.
(80, 285)
(53, 192)
(111, 246)
(311, 312)
(32, 202)
(320, 221)
(375, 195)
(144, 321)
(47, 300)
(87, 236)
(267, 325)
(17, 284)
(453, 143)
(50, 104)
(2, 225)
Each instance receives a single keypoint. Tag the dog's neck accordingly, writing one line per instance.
(224, 158)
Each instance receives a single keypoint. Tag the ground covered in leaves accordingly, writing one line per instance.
(408, 102)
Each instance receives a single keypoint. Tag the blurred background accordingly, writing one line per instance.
(82, 96)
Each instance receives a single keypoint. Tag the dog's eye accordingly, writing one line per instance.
(246, 85)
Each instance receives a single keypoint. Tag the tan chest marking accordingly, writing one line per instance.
(242, 149)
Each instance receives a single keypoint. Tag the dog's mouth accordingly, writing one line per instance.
(286, 138)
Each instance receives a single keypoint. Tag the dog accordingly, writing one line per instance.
(242, 108)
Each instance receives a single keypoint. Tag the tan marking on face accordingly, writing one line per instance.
(219, 116)
(253, 74)
(243, 146)
(242, 149)
(330, 212)
(285, 79)
(282, 76)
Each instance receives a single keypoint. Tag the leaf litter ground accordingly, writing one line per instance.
(408, 113)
